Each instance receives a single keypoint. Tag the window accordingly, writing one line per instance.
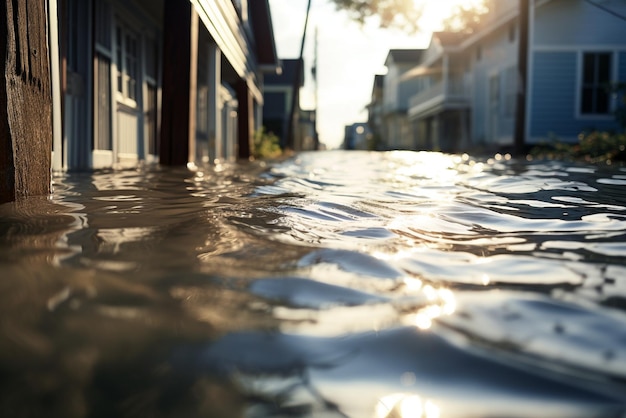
(596, 77)
(103, 139)
(127, 56)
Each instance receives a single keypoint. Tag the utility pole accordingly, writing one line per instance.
(522, 86)
(316, 139)
(296, 83)
(25, 100)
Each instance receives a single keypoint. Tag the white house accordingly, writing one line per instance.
(397, 89)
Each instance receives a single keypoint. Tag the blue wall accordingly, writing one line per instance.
(579, 23)
(554, 97)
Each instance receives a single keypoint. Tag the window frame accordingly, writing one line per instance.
(582, 85)
(123, 58)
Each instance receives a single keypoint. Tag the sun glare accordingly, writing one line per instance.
(435, 12)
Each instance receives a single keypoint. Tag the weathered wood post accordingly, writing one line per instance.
(179, 44)
(25, 100)
(245, 119)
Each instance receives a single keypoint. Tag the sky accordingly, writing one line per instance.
(349, 55)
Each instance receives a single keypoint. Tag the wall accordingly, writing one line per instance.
(556, 65)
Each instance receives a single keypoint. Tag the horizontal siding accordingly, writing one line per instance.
(553, 94)
(554, 99)
(579, 23)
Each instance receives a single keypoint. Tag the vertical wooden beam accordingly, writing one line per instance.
(25, 100)
(193, 85)
(245, 121)
(55, 75)
(215, 108)
(175, 108)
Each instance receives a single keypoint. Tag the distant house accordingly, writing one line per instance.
(358, 136)
(174, 81)
(375, 111)
(307, 136)
(397, 90)
(278, 96)
(467, 85)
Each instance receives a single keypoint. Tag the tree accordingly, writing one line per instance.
(405, 14)
(391, 13)
(466, 17)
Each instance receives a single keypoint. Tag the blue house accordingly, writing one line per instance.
(466, 96)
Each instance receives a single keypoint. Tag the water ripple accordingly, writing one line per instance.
(328, 284)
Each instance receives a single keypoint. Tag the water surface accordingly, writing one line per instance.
(332, 284)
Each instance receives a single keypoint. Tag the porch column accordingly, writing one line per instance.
(446, 75)
(25, 100)
(179, 44)
(215, 105)
(245, 119)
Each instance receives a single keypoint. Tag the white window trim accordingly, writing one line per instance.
(123, 96)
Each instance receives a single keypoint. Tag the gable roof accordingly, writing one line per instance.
(287, 76)
(448, 38)
(404, 56)
(263, 30)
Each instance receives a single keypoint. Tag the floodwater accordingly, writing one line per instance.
(332, 284)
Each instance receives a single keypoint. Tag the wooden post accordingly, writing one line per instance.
(245, 121)
(176, 97)
(215, 108)
(25, 100)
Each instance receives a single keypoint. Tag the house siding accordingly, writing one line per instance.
(554, 95)
(497, 54)
(580, 24)
(621, 68)
(555, 100)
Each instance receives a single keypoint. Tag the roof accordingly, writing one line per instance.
(406, 56)
(263, 30)
(378, 80)
(287, 76)
(449, 38)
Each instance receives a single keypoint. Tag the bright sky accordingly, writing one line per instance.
(349, 56)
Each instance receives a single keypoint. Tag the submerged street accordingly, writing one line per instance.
(331, 284)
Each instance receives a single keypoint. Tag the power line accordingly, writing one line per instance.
(606, 9)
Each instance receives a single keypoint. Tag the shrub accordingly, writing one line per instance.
(266, 145)
(595, 146)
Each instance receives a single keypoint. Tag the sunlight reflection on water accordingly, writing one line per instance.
(330, 284)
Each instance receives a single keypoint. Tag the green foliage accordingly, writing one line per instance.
(466, 18)
(391, 13)
(406, 14)
(266, 145)
(593, 147)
